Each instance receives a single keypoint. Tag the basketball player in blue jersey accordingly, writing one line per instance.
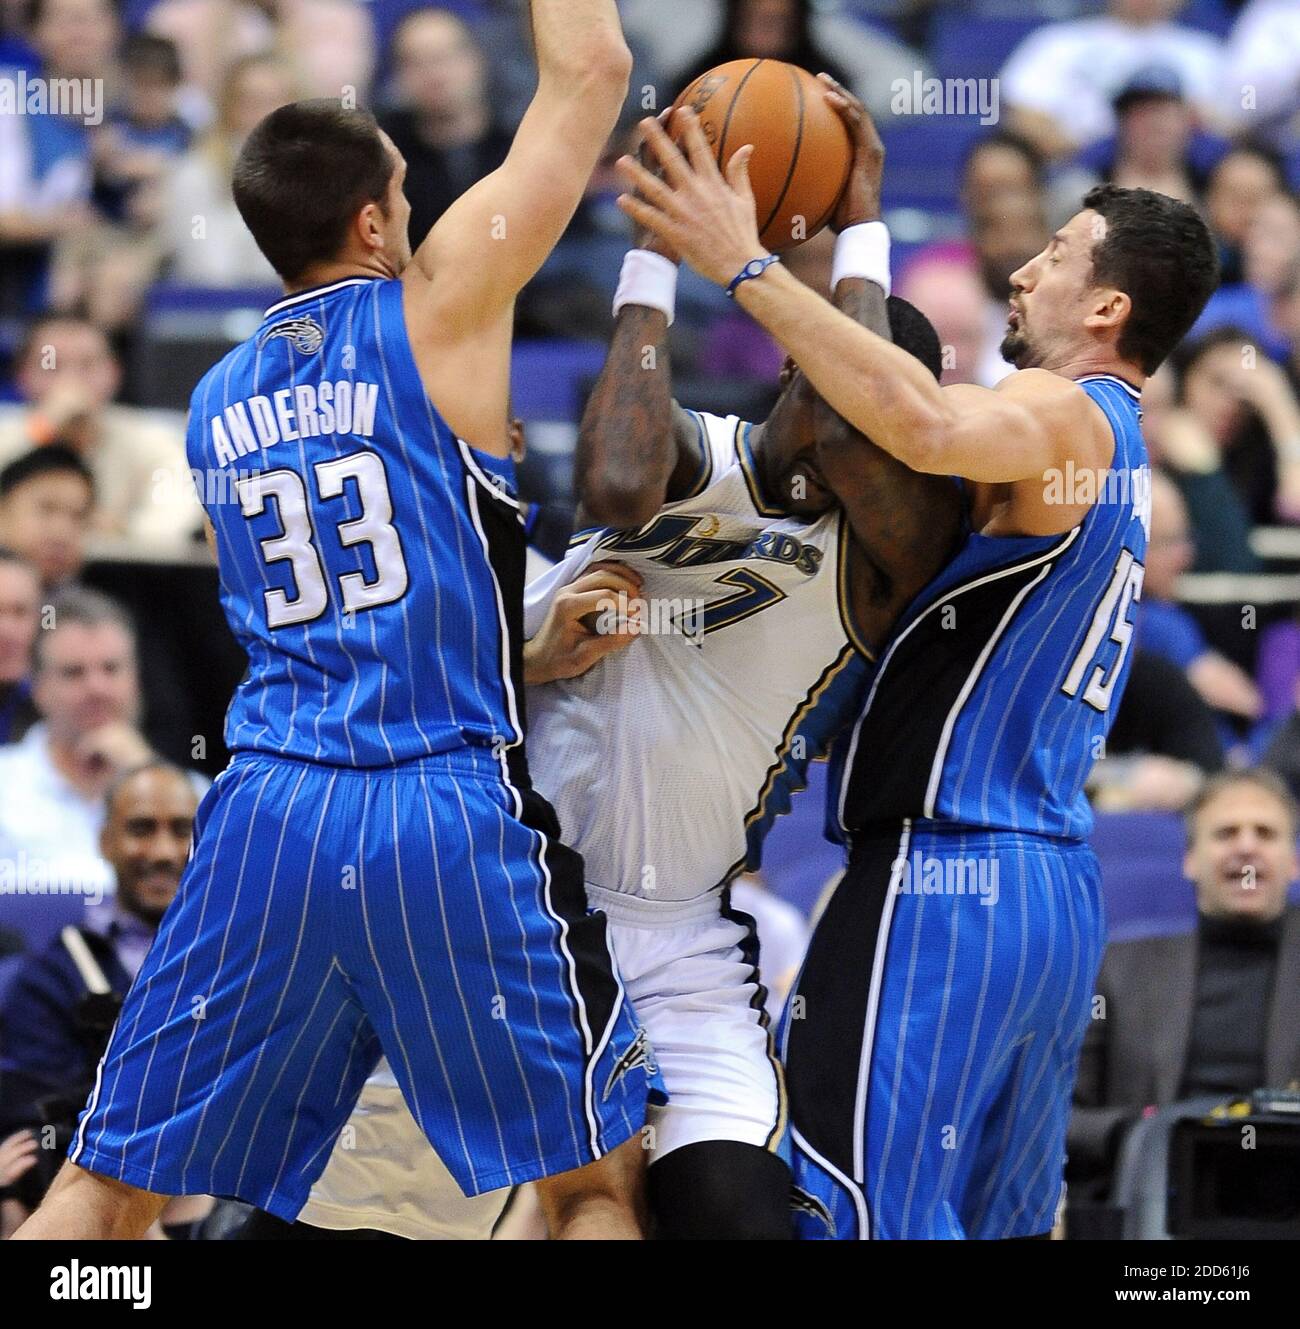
(934, 1031)
(373, 872)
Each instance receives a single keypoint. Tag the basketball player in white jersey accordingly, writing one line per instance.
(761, 598)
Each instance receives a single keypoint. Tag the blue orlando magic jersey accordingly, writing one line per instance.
(1001, 682)
(371, 562)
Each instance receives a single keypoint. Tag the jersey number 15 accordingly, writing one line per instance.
(296, 546)
(1111, 620)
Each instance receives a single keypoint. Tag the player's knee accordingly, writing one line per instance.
(721, 1190)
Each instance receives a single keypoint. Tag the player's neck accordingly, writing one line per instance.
(341, 269)
(1087, 366)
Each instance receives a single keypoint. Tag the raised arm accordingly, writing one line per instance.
(1030, 424)
(462, 282)
(493, 239)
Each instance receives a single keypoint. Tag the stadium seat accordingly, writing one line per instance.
(39, 918)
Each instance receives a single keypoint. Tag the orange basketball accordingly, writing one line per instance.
(802, 151)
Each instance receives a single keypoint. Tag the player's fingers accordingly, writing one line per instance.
(608, 577)
(702, 160)
(665, 151)
(601, 602)
(664, 226)
(646, 184)
(738, 173)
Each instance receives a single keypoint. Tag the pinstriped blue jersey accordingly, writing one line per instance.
(996, 692)
(371, 562)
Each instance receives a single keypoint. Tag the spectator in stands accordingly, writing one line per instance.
(769, 30)
(1153, 134)
(1186, 452)
(1210, 1012)
(68, 377)
(1061, 81)
(1167, 629)
(105, 268)
(1246, 404)
(1002, 163)
(330, 43)
(445, 127)
(1007, 232)
(85, 686)
(1255, 301)
(505, 29)
(686, 37)
(949, 293)
(1260, 91)
(204, 238)
(52, 1029)
(47, 499)
(45, 166)
(1239, 184)
(20, 616)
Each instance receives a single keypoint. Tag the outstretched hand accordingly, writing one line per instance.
(695, 211)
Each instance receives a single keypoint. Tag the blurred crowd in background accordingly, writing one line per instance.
(125, 270)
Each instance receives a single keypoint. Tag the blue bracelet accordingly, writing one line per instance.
(756, 267)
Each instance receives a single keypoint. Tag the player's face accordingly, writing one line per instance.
(1242, 856)
(146, 838)
(1052, 295)
(789, 460)
(19, 614)
(87, 679)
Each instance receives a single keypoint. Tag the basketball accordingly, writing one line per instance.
(802, 152)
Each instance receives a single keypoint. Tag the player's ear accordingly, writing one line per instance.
(370, 226)
(1111, 309)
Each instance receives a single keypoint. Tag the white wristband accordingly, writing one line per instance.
(863, 251)
(648, 279)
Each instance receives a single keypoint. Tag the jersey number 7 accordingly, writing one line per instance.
(296, 546)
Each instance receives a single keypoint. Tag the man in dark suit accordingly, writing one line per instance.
(57, 1012)
(1210, 1012)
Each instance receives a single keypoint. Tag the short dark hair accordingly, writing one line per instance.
(304, 173)
(914, 333)
(146, 52)
(51, 459)
(1160, 253)
(149, 764)
(1188, 353)
(1261, 151)
(85, 608)
(1013, 142)
(1259, 776)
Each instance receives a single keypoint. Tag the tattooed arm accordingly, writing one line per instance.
(905, 525)
(637, 448)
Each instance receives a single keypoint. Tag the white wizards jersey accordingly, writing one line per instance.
(669, 760)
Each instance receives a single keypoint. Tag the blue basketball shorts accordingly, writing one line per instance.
(329, 914)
